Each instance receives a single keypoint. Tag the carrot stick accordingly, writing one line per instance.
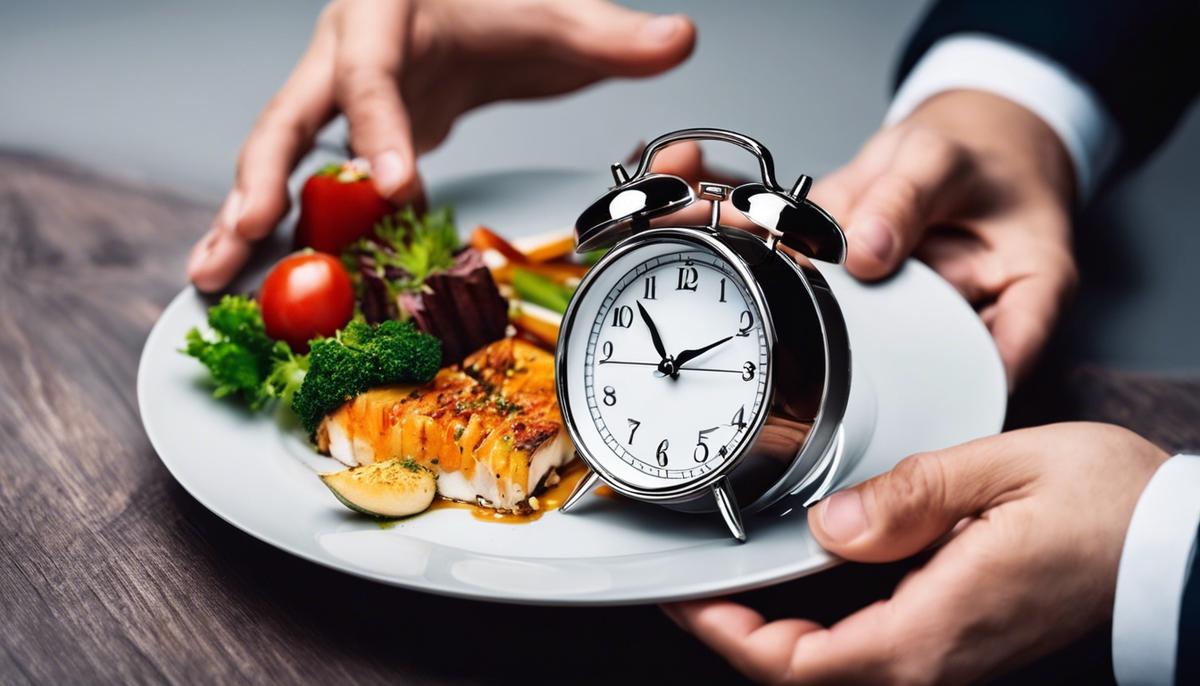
(483, 238)
(552, 249)
(542, 330)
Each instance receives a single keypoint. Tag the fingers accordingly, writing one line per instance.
(901, 512)
(685, 160)
(761, 650)
(367, 71)
(1023, 317)
(282, 134)
(617, 40)
(862, 648)
(894, 209)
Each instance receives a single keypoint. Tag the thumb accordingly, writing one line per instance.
(901, 512)
(923, 178)
(620, 41)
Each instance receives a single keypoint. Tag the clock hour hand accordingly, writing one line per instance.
(658, 344)
(689, 355)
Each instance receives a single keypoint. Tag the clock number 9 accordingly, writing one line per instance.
(608, 351)
(661, 454)
(610, 396)
(748, 371)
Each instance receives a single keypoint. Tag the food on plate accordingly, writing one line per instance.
(339, 205)
(540, 290)
(490, 428)
(414, 268)
(536, 326)
(395, 488)
(238, 353)
(306, 295)
(405, 359)
(361, 357)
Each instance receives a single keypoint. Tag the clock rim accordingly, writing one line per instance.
(709, 239)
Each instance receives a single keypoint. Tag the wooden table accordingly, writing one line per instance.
(110, 572)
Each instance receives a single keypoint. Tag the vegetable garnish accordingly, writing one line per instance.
(237, 351)
(413, 268)
(360, 357)
(405, 249)
(540, 290)
(483, 238)
(306, 295)
(339, 205)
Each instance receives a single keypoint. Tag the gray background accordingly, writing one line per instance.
(166, 91)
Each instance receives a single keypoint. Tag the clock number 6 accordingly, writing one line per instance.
(700, 454)
(610, 396)
(661, 453)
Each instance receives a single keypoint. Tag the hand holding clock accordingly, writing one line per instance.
(1004, 587)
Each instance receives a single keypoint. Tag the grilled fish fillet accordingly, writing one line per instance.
(490, 428)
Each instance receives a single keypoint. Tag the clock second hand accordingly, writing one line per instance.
(655, 364)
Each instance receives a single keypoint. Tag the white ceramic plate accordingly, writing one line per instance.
(933, 369)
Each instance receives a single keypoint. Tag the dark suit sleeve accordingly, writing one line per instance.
(1140, 57)
(1187, 651)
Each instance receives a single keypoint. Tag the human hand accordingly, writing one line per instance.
(402, 71)
(979, 188)
(1035, 521)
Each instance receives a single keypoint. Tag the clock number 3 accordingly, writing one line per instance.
(748, 371)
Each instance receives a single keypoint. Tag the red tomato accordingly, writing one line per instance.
(338, 205)
(306, 295)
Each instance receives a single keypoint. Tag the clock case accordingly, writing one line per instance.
(794, 443)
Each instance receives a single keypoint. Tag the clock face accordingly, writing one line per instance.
(669, 365)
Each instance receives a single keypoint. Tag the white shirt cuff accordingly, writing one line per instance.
(1066, 104)
(1158, 551)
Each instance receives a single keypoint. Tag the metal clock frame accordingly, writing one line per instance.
(834, 393)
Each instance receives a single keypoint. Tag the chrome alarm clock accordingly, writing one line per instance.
(703, 367)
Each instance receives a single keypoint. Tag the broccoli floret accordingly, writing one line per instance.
(237, 351)
(361, 357)
(287, 373)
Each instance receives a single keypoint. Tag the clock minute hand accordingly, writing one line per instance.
(689, 355)
(658, 344)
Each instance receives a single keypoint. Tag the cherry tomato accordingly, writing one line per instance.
(338, 205)
(306, 295)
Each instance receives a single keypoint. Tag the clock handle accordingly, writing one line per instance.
(581, 489)
(727, 505)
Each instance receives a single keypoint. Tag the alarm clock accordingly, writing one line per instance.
(705, 368)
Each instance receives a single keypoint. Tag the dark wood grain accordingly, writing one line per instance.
(110, 572)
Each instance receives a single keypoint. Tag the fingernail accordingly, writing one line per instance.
(217, 258)
(874, 238)
(843, 517)
(662, 29)
(202, 250)
(387, 170)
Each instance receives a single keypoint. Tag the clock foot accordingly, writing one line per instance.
(727, 505)
(585, 484)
